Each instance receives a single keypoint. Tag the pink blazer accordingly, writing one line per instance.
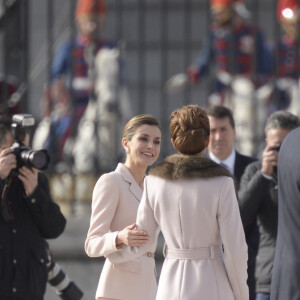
(115, 202)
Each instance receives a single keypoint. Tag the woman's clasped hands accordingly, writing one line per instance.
(131, 237)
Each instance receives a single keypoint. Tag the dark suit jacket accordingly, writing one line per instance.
(286, 269)
(241, 162)
(258, 201)
(23, 254)
(251, 231)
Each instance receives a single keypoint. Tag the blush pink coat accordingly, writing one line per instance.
(116, 198)
(194, 214)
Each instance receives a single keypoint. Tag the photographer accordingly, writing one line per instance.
(28, 217)
(258, 197)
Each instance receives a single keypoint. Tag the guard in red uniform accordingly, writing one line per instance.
(234, 47)
(288, 57)
(87, 75)
(238, 60)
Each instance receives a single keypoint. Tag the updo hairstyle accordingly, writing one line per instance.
(189, 128)
(133, 124)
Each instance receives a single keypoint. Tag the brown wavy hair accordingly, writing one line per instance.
(189, 128)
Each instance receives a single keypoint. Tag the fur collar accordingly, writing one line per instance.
(180, 166)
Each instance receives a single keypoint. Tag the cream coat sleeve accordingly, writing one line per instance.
(100, 241)
(233, 239)
(145, 221)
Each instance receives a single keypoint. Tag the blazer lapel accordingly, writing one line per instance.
(127, 176)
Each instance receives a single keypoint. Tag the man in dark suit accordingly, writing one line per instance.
(221, 150)
(286, 274)
(258, 198)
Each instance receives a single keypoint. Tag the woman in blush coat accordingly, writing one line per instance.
(116, 198)
(192, 200)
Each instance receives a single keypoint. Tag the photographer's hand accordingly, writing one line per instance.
(269, 159)
(8, 162)
(29, 178)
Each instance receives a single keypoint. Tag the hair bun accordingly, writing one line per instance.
(189, 129)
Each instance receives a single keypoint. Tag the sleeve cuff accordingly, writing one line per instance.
(33, 198)
(114, 244)
(266, 176)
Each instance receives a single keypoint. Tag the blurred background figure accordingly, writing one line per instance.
(236, 50)
(285, 276)
(258, 198)
(287, 58)
(221, 150)
(9, 98)
(85, 106)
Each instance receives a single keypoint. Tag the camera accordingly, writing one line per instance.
(64, 287)
(277, 148)
(20, 127)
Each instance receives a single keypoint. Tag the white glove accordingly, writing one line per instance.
(176, 83)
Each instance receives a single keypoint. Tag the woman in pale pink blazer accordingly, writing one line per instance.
(192, 200)
(116, 198)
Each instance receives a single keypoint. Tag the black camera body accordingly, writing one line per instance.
(277, 148)
(20, 127)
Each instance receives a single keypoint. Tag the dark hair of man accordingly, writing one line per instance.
(5, 126)
(221, 112)
(282, 119)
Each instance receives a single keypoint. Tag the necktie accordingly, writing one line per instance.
(224, 166)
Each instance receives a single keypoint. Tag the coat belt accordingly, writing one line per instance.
(210, 252)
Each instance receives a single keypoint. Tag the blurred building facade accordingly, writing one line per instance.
(159, 38)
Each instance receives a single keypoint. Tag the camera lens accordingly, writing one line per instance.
(37, 159)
